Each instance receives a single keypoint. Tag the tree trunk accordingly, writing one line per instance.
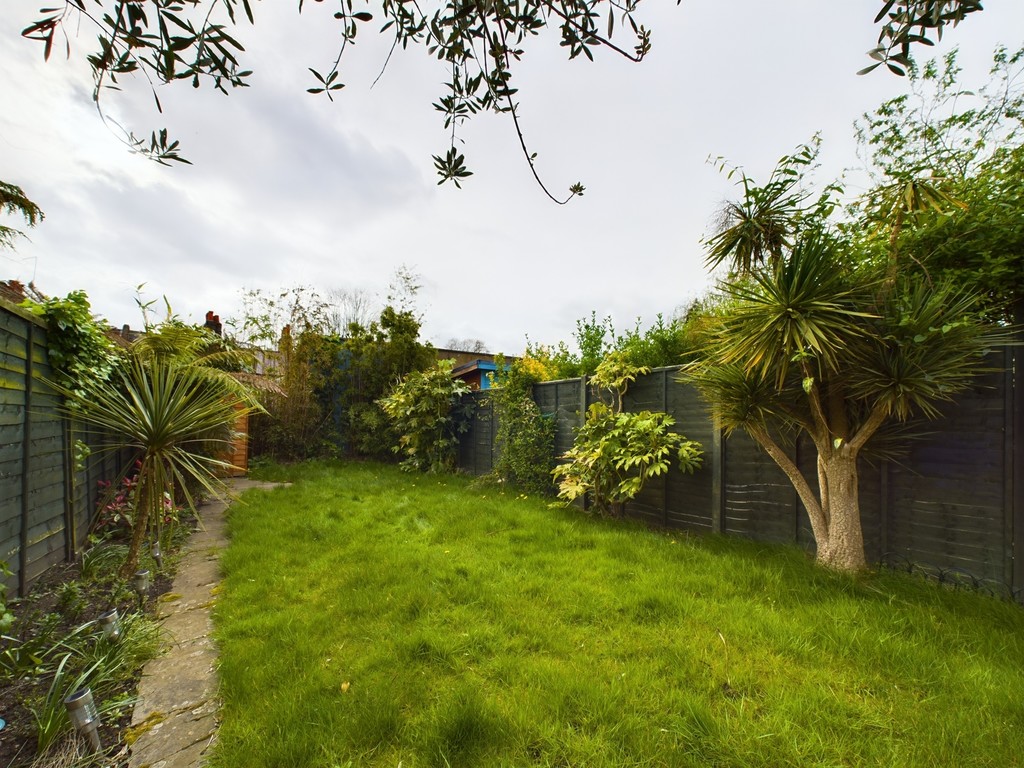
(843, 549)
(140, 526)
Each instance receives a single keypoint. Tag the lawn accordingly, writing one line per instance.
(374, 618)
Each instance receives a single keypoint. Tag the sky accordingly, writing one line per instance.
(287, 189)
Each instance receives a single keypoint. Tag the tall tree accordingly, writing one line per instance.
(819, 342)
(947, 163)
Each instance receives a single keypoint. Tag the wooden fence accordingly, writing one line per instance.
(953, 505)
(46, 502)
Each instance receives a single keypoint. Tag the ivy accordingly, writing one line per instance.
(80, 352)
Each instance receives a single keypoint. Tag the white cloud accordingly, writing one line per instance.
(287, 188)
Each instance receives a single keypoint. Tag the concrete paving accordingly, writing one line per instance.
(175, 717)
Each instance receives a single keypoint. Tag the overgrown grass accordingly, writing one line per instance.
(374, 618)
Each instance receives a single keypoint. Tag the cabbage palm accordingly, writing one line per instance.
(165, 401)
(815, 345)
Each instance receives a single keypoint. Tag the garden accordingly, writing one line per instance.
(388, 610)
(426, 620)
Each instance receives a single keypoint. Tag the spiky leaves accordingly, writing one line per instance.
(817, 345)
(13, 201)
(176, 414)
(806, 305)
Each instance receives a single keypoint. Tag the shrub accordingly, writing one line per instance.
(615, 453)
(428, 409)
(526, 438)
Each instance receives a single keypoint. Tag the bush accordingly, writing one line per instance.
(429, 411)
(615, 453)
(526, 438)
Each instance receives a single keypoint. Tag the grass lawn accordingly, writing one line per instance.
(374, 618)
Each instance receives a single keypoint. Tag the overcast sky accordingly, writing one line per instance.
(289, 189)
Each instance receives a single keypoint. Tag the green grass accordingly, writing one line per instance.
(374, 618)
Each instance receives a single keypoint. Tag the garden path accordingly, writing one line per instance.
(176, 714)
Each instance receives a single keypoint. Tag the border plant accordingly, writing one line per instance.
(429, 412)
(615, 452)
(172, 400)
(525, 436)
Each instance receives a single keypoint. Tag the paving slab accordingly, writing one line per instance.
(177, 708)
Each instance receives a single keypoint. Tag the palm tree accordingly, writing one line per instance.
(819, 344)
(168, 402)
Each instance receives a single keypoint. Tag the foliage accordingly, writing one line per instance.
(95, 663)
(756, 229)
(80, 352)
(593, 340)
(6, 619)
(908, 22)
(526, 436)
(614, 453)
(296, 424)
(329, 382)
(13, 201)
(478, 46)
(169, 403)
(947, 162)
(821, 341)
(429, 411)
(663, 344)
(117, 505)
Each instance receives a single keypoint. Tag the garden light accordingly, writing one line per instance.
(140, 583)
(84, 716)
(157, 556)
(110, 624)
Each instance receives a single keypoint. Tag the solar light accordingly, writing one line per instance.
(84, 716)
(140, 583)
(157, 555)
(110, 623)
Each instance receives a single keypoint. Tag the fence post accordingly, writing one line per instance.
(665, 483)
(68, 458)
(1014, 458)
(26, 462)
(718, 445)
(581, 419)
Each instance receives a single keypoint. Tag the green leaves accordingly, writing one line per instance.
(451, 167)
(907, 23)
(328, 84)
(15, 202)
(758, 228)
(614, 453)
(428, 411)
(808, 303)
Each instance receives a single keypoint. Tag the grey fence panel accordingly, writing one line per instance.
(953, 502)
(760, 502)
(478, 447)
(691, 498)
(565, 402)
(44, 516)
(948, 499)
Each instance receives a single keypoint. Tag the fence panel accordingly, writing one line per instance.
(949, 497)
(44, 514)
(478, 447)
(952, 502)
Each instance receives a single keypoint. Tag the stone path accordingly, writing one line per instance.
(176, 713)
